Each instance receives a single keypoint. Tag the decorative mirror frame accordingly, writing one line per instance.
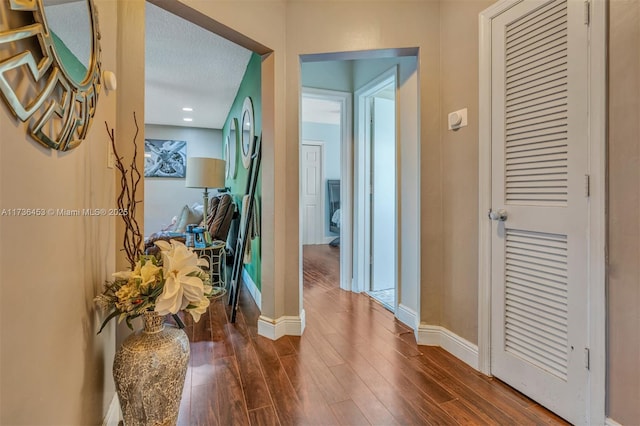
(59, 110)
(247, 150)
(231, 150)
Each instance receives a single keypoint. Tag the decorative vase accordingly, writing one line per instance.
(149, 370)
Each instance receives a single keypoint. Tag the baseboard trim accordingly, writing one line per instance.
(610, 422)
(252, 288)
(283, 326)
(433, 335)
(112, 418)
(407, 316)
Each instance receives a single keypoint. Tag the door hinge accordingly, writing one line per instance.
(587, 186)
(586, 358)
(587, 12)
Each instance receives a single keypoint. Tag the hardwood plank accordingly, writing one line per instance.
(284, 346)
(425, 401)
(311, 363)
(254, 387)
(265, 416)
(285, 400)
(421, 399)
(393, 401)
(546, 415)
(232, 407)
(324, 350)
(314, 406)
(218, 318)
(465, 415)
(488, 406)
(248, 312)
(295, 344)
(486, 393)
(375, 412)
(202, 369)
(348, 413)
(204, 405)
(426, 382)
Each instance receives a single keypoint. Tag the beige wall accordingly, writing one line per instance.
(53, 367)
(624, 212)
(459, 89)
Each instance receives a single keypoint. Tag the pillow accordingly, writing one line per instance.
(196, 208)
(172, 226)
(181, 224)
(188, 216)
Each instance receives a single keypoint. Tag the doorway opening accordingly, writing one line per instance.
(204, 116)
(184, 115)
(379, 230)
(324, 177)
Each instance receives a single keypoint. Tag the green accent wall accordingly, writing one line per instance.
(251, 87)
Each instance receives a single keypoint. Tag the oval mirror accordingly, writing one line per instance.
(231, 145)
(71, 27)
(248, 132)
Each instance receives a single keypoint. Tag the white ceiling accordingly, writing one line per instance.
(188, 66)
(323, 111)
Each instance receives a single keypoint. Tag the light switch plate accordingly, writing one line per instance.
(457, 119)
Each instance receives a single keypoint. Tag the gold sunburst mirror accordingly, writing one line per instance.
(50, 67)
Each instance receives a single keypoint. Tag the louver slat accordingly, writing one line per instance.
(536, 308)
(536, 142)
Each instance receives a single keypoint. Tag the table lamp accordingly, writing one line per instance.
(205, 173)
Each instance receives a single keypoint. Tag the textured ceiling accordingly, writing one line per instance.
(187, 66)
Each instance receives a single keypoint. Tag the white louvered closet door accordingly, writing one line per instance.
(539, 163)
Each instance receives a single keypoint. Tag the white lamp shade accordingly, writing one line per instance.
(205, 172)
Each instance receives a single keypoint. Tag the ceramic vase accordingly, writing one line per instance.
(149, 370)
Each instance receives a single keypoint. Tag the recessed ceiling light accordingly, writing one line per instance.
(188, 119)
(187, 109)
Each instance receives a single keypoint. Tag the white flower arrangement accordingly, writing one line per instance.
(175, 282)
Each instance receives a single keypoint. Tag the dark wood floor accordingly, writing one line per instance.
(354, 365)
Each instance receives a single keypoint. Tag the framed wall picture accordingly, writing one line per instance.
(165, 158)
(230, 149)
(248, 131)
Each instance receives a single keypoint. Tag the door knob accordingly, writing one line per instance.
(500, 215)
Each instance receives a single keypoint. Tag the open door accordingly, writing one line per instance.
(379, 222)
(382, 283)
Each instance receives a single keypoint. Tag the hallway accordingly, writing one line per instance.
(354, 365)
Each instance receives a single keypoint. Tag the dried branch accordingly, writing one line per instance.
(127, 202)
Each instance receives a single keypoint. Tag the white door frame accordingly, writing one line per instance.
(597, 200)
(346, 173)
(321, 217)
(362, 230)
